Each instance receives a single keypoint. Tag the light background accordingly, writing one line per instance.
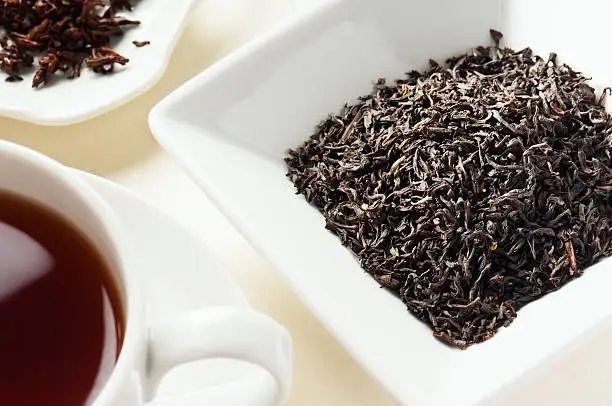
(119, 146)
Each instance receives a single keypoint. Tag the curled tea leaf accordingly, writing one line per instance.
(63, 34)
(470, 189)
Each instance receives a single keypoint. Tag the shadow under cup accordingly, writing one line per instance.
(62, 312)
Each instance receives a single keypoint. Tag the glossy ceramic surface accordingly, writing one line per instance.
(231, 126)
(71, 101)
(197, 281)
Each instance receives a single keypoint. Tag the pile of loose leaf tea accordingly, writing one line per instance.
(471, 189)
(64, 34)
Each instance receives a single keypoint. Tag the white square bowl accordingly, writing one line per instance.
(231, 127)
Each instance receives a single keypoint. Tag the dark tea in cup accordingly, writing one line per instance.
(61, 314)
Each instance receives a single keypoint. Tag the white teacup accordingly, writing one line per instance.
(149, 352)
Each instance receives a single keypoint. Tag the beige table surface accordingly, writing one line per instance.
(119, 146)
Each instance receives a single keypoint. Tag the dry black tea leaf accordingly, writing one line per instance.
(140, 44)
(63, 34)
(471, 189)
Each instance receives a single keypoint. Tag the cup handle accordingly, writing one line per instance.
(220, 332)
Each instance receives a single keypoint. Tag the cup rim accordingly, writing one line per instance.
(110, 225)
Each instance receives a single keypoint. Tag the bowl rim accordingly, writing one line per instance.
(163, 124)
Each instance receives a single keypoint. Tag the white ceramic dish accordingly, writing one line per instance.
(72, 101)
(231, 126)
(181, 275)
